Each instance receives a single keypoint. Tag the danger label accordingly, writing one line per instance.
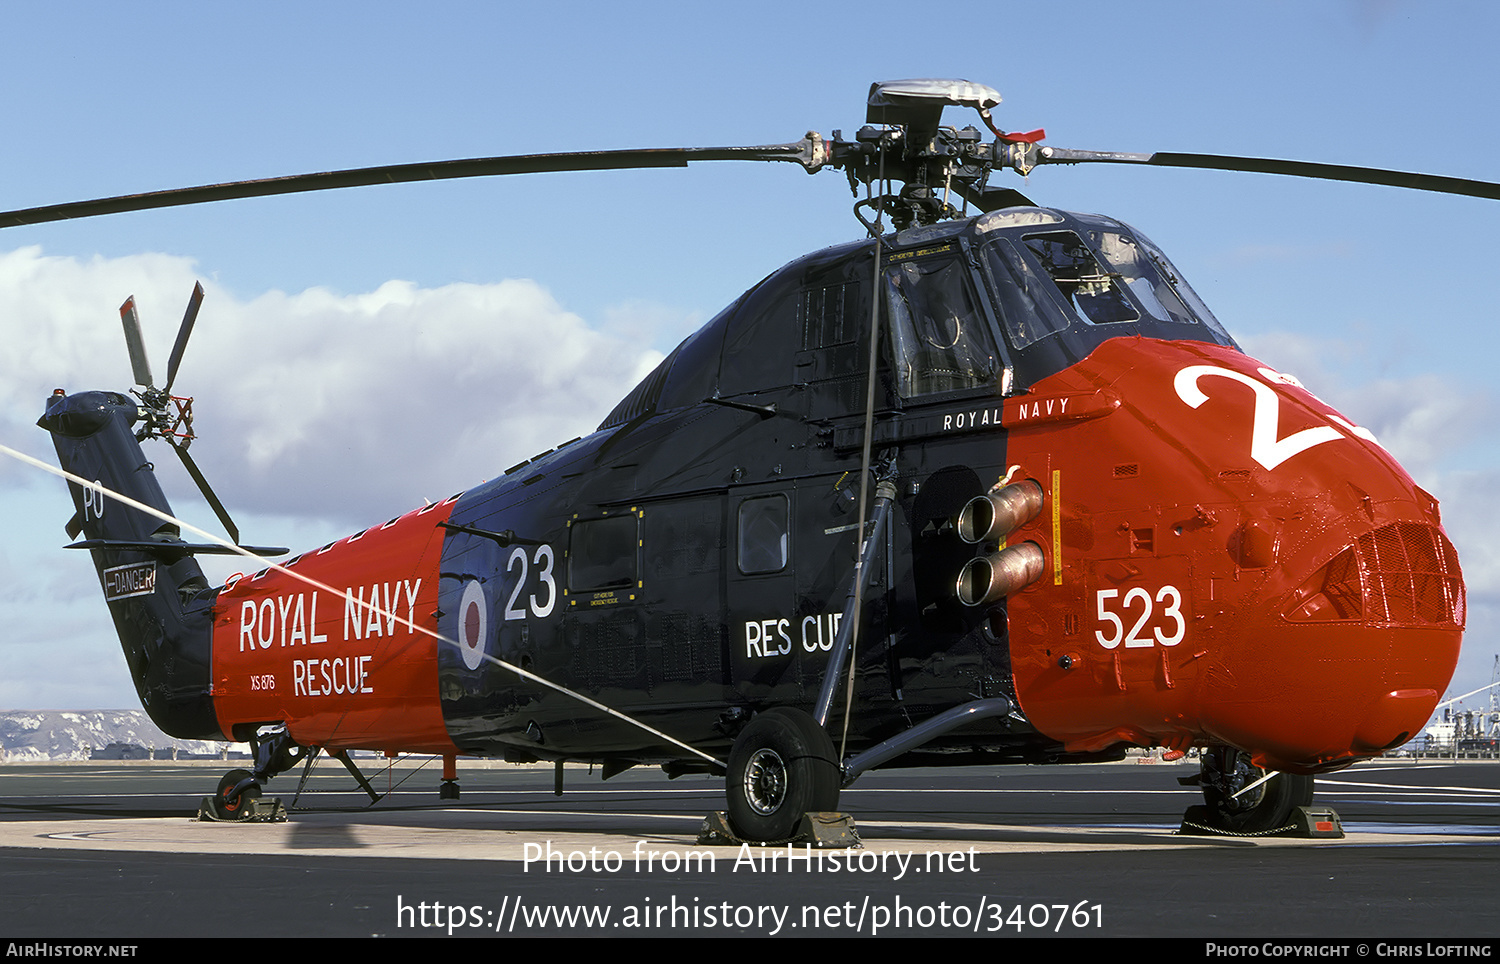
(122, 582)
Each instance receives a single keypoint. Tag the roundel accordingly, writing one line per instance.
(473, 624)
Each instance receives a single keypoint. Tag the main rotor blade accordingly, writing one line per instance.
(186, 329)
(139, 366)
(1267, 165)
(993, 198)
(810, 152)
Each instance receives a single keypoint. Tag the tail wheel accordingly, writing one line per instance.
(782, 766)
(226, 808)
(1228, 771)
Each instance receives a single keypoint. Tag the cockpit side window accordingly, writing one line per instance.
(1168, 280)
(1025, 300)
(1094, 294)
(1063, 285)
(1104, 275)
(940, 337)
(1128, 261)
(1154, 283)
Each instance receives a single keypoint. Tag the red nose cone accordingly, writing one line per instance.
(1394, 713)
(1227, 561)
(1353, 655)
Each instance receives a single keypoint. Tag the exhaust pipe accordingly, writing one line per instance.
(991, 578)
(992, 517)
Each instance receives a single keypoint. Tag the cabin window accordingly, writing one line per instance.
(603, 553)
(764, 534)
(940, 338)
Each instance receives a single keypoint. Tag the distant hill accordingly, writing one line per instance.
(37, 735)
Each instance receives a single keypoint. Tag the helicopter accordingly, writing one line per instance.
(990, 486)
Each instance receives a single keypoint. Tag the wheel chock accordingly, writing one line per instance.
(1318, 822)
(256, 810)
(715, 830)
(1309, 822)
(823, 830)
(828, 830)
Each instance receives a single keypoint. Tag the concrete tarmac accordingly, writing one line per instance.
(108, 850)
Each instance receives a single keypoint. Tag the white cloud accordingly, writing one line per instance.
(319, 404)
(1468, 507)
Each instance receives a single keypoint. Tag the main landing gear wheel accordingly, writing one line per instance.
(1269, 806)
(782, 766)
(227, 809)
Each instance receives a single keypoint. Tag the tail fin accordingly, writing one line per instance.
(161, 603)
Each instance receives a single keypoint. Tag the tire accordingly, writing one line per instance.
(782, 766)
(226, 809)
(1268, 807)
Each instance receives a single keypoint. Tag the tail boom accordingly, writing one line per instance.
(160, 602)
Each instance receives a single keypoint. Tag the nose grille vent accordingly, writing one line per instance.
(1402, 574)
(1412, 575)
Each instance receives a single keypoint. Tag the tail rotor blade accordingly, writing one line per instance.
(188, 318)
(208, 493)
(139, 366)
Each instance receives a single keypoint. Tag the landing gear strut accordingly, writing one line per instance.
(274, 752)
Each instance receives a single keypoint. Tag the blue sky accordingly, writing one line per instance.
(363, 350)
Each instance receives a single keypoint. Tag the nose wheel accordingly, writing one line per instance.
(1231, 808)
(782, 766)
